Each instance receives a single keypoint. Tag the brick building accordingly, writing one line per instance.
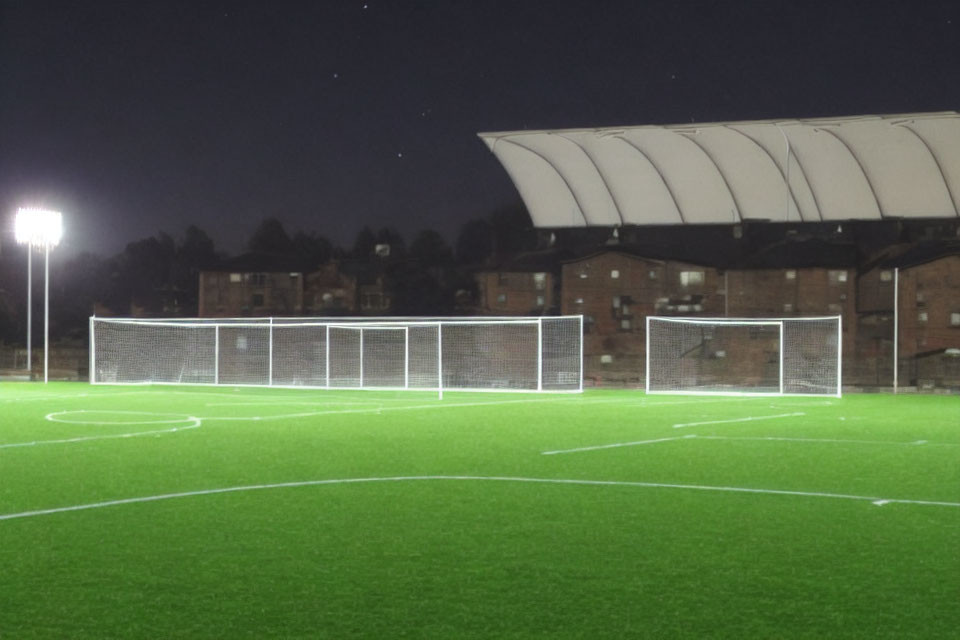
(251, 285)
(615, 289)
(526, 285)
(929, 313)
(798, 278)
(330, 291)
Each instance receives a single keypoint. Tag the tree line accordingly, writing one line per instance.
(152, 273)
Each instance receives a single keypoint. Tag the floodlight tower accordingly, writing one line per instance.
(38, 228)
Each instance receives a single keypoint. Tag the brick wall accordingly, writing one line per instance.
(515, 293)
(234, 294)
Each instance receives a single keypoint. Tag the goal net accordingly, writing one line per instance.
(501, 354)
(749, 356)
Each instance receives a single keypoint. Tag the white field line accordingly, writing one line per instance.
(683, 425)
(913, 443)
(55, 417)
(271, 403)
(605, 483)
(614, 445)
(756, 439)
(13, 445)
(413, 407)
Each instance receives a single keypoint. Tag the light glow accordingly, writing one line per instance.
(38, 227)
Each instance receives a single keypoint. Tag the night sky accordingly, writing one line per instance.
(136, 117)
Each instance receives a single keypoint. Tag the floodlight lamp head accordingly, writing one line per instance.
(38, 227)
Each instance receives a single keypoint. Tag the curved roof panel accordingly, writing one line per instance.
(857, 168)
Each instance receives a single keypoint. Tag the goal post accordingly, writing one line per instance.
(744, 356)
(428, 354)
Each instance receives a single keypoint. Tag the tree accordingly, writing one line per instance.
(194, 254)
(270, 237)
(429, 249)
(364, 244)
(475, 242)
(311, 250)
(513, 230)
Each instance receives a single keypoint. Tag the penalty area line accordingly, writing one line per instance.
(682, 425)
(560, 481)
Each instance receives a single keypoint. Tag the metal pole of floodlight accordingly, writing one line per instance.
(39, 228)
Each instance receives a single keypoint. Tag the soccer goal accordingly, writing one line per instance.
(476, 354)
(744, 356)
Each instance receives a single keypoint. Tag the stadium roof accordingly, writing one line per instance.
(813, 170)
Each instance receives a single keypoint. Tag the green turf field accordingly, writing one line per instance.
(161, 512)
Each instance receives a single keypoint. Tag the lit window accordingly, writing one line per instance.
(837, 276)
(614, 273)
(955, 319)
(788, 307)
(583, 274)
(578, 301)
(241, 343)
(625, 309)
(502, 298)
(606, 358)
(234, 277)
(540, 301)
(540, 281)
(790, 274)
(625, 324)
(886, 275)
(653, 274)
(922, 316)
(616, 302)
(688, 278)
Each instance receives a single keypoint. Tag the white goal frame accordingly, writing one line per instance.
(835, 359)
(501, 354)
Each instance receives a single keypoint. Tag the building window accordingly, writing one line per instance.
(788, 307)
(886, 275)
(616, 302)
(833, 307)
(652, 274)
(540, 301)
(540, 281)
(235, 277)
(606, 358)
(241, 343)
(614, 273)
(578, 301)
(583, 274)
(257, 300)
(502, 298)
(955, 319)
(922, 316)
(587, 324)
(790, 274)
(837, 276)
(258, 278)
(625, 309)
(625, 324)
(688, 278)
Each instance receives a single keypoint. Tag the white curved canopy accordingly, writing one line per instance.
(825, 169)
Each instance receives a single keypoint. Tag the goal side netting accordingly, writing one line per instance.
(502, 354)
(749, 356)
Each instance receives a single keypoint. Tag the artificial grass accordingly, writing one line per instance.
(475, 558)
